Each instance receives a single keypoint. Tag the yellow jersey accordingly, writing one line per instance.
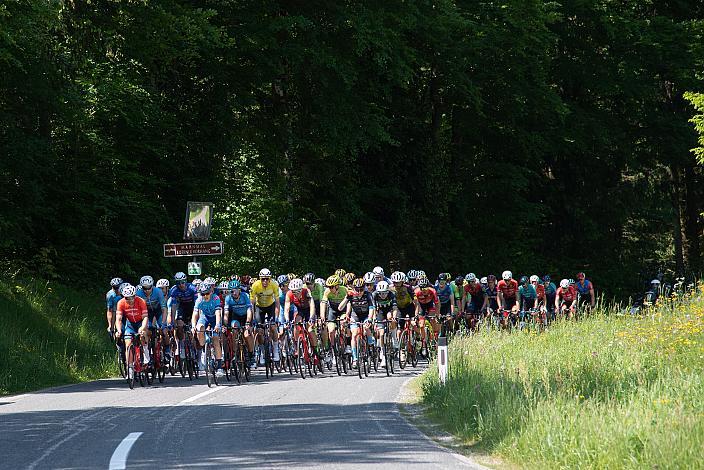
(264, 297)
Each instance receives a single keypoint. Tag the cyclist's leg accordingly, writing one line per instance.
(355, 328)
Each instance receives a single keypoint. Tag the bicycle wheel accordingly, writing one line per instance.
(173, 366)
(360, 361)
(388, 354)
(121, 364)
(300, 358)
(403, 349)
(234, 365)
(159, 366)
(415, 345)
(226, 356)
(208, 359)
(267, 358)
(374, 356)
(130, 367)
(213, 367)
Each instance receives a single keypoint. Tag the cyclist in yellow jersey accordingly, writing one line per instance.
(404, 302)
(264, 295)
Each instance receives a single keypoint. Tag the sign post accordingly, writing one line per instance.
(442, 359)
(193, 249)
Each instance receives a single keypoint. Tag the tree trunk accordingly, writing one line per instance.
(677, 206)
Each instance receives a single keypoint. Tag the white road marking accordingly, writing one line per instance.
(200, 395)
(118, 461)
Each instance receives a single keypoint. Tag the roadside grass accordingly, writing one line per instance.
(605, 392)
(50, 335)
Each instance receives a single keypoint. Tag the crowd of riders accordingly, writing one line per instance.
(344, 303)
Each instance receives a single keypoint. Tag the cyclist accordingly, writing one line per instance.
(378, 273)
(112, 297)
(360, 309)
(404, 303)
(334, 302)
(457, 286)
(223, 291)
(427, 304)
(348, 280)
(283, 281)
(527, 297)
(299, 303)
(316, 291)
(164, 285)
(156, 305)
(550, 293)
(183, 298)
(133, 311)
(472, 299)
(369, 282)
(540, 292)
(508, 290)
(238, 314)
(266, 304)
(208, 314)
(446, 297)
(245, 283)
(412, 278)
(386, 309)
(566, 299)
(491, 298)
(585, 289)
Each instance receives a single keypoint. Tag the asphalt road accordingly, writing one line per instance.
(325, 421)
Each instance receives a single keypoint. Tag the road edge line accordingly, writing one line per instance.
(118, 461)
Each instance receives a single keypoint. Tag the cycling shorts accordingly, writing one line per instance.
(359, 317)
(445, 308)
(356, 322)
(303, 314)
(408, 311)
(238, 321)
(131, 328)
(473, 308)
(428, 309)
(207, 321)
(509, 303)
(265, 312)
(184, 311)
(334, 312)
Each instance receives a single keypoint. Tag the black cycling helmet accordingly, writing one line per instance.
(546, 278)
(443, 277)
(423, 282)
(524, 279)
(309, 278)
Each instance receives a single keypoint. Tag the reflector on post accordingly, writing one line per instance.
(443, 359)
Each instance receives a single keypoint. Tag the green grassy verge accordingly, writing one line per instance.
(605, 392)
(51, 335)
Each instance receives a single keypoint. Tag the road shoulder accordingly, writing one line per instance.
(413, 412)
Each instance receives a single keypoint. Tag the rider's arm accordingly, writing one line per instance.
(249, 314)
(218, 317)
(287, 308)
(591, 293)
(277, 309)
(311, 302)
(194, 318)
(557, 300)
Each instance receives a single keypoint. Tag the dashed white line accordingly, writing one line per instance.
(118, 461)
(200, 395)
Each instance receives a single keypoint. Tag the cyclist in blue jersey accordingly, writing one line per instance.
(208, 314)
(550, 294)
(183, 298)
(447, 297)
(156, 306)
(585, 289)
(238, 314)
(111, 298)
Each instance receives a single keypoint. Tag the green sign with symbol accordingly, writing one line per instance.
(195, 269)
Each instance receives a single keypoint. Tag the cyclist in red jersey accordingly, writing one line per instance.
(427, 305)
(300, 297)
(566, 298)
(133, 310)
(508, 292)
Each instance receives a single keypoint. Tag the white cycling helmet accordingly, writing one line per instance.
(506, 275)
(180, 276)
(320, 281)
(378, 271)
(295, 284)
(565, 283)
(534, 278)
(382, 286)
(264, 273)
(196, 282)
(369, 278)
(210, 281)
(471, 277)
(421, 273)
(655, 282)
(484, 280)
(398, 276)
(223, 285)
(146, 282)
(128, 290)
(115, 281)
(162, 283)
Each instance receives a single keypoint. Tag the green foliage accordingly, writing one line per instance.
(51, 335)
(697, 100)
(450, 135)
(605, 392)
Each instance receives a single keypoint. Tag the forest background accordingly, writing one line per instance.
(542, 137)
